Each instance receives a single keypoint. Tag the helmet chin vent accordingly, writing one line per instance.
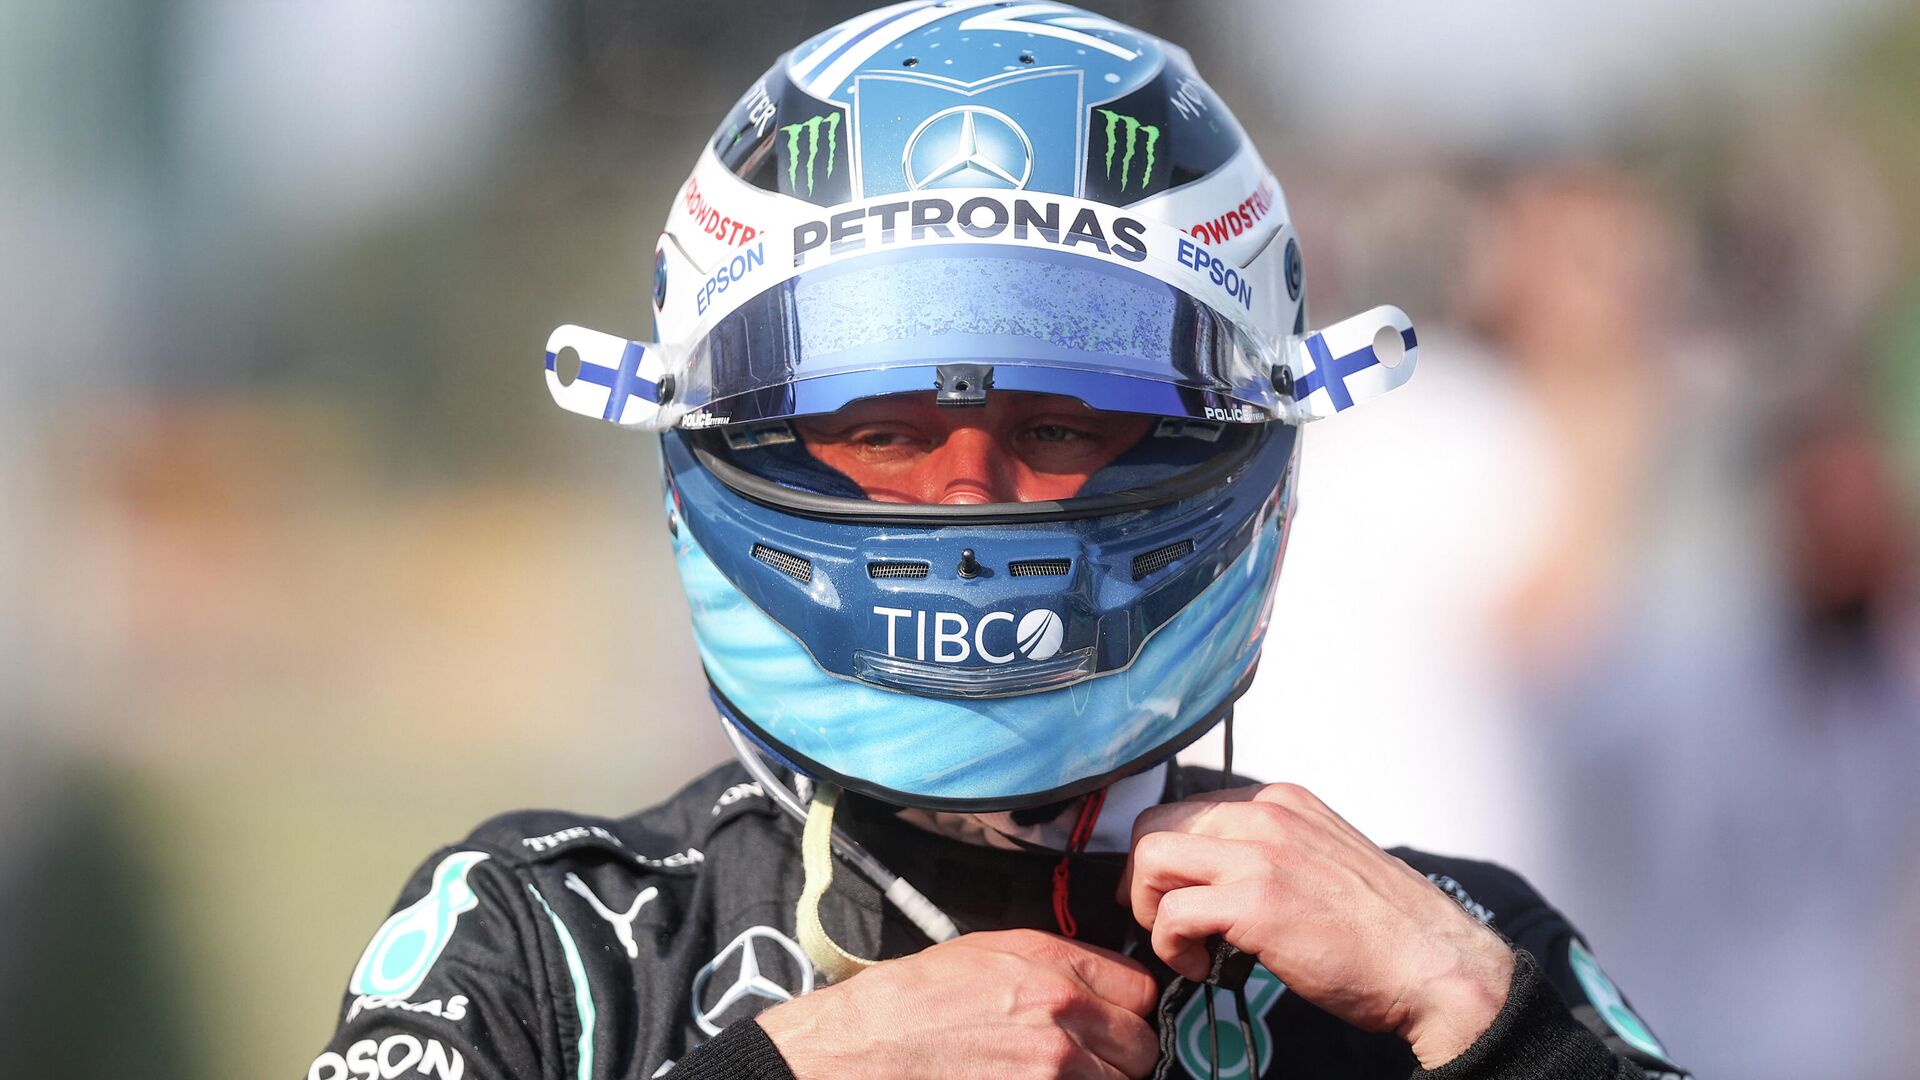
(1160, 558)
(1040, 568)
(896, 569)
(793, 566)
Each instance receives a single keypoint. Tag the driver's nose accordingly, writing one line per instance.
(965, 469)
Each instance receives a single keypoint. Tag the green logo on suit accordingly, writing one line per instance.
(1194, 1045)
(406, 945)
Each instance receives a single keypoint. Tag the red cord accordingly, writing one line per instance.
(1076, 843)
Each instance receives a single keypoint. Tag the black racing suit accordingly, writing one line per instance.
(554, 946)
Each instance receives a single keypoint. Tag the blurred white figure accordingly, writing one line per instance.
(1382, 689)
(1475, 533)
(1739, 792)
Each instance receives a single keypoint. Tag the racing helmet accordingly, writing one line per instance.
(968, 199)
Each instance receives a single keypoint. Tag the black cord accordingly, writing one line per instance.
(1246, 1033)
(1239, 993)
(1213, 1038)
(1226, 764)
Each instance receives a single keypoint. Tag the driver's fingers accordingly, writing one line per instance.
(1188, 917)
(1117, 1036)
(1112, 977)
(1164, 861)
(1239, 820)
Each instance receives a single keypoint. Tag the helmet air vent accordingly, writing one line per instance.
(896, 570)
(793, 566)
(1040, 568)
(1160, 558)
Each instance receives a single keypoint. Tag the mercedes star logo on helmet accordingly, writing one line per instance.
(968, 146)
(760, 949)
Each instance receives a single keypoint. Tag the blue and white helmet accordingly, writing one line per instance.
(972, 197)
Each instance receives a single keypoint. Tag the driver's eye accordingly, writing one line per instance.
(880, 440)
(1054, 433)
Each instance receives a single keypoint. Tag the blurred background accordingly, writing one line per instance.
(301, 575)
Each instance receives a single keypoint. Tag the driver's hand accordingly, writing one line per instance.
(1005, 1004)
(1345, 925)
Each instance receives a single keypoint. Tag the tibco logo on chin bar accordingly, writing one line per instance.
(946, 637)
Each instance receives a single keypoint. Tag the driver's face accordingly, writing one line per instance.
(1018, 447)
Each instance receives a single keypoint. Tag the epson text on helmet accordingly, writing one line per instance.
(729, 274)
(1037, 635)
(1221, 273)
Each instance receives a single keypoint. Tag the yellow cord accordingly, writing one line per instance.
(816, 858)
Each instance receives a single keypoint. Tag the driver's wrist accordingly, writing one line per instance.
(1458, 1006)
(741, 1051)
(794, 1028)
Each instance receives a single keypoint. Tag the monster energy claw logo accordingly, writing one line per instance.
(812, 128)
(1133, 128)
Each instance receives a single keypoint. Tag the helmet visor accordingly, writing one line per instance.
(1113, 337)
(1016, 447)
